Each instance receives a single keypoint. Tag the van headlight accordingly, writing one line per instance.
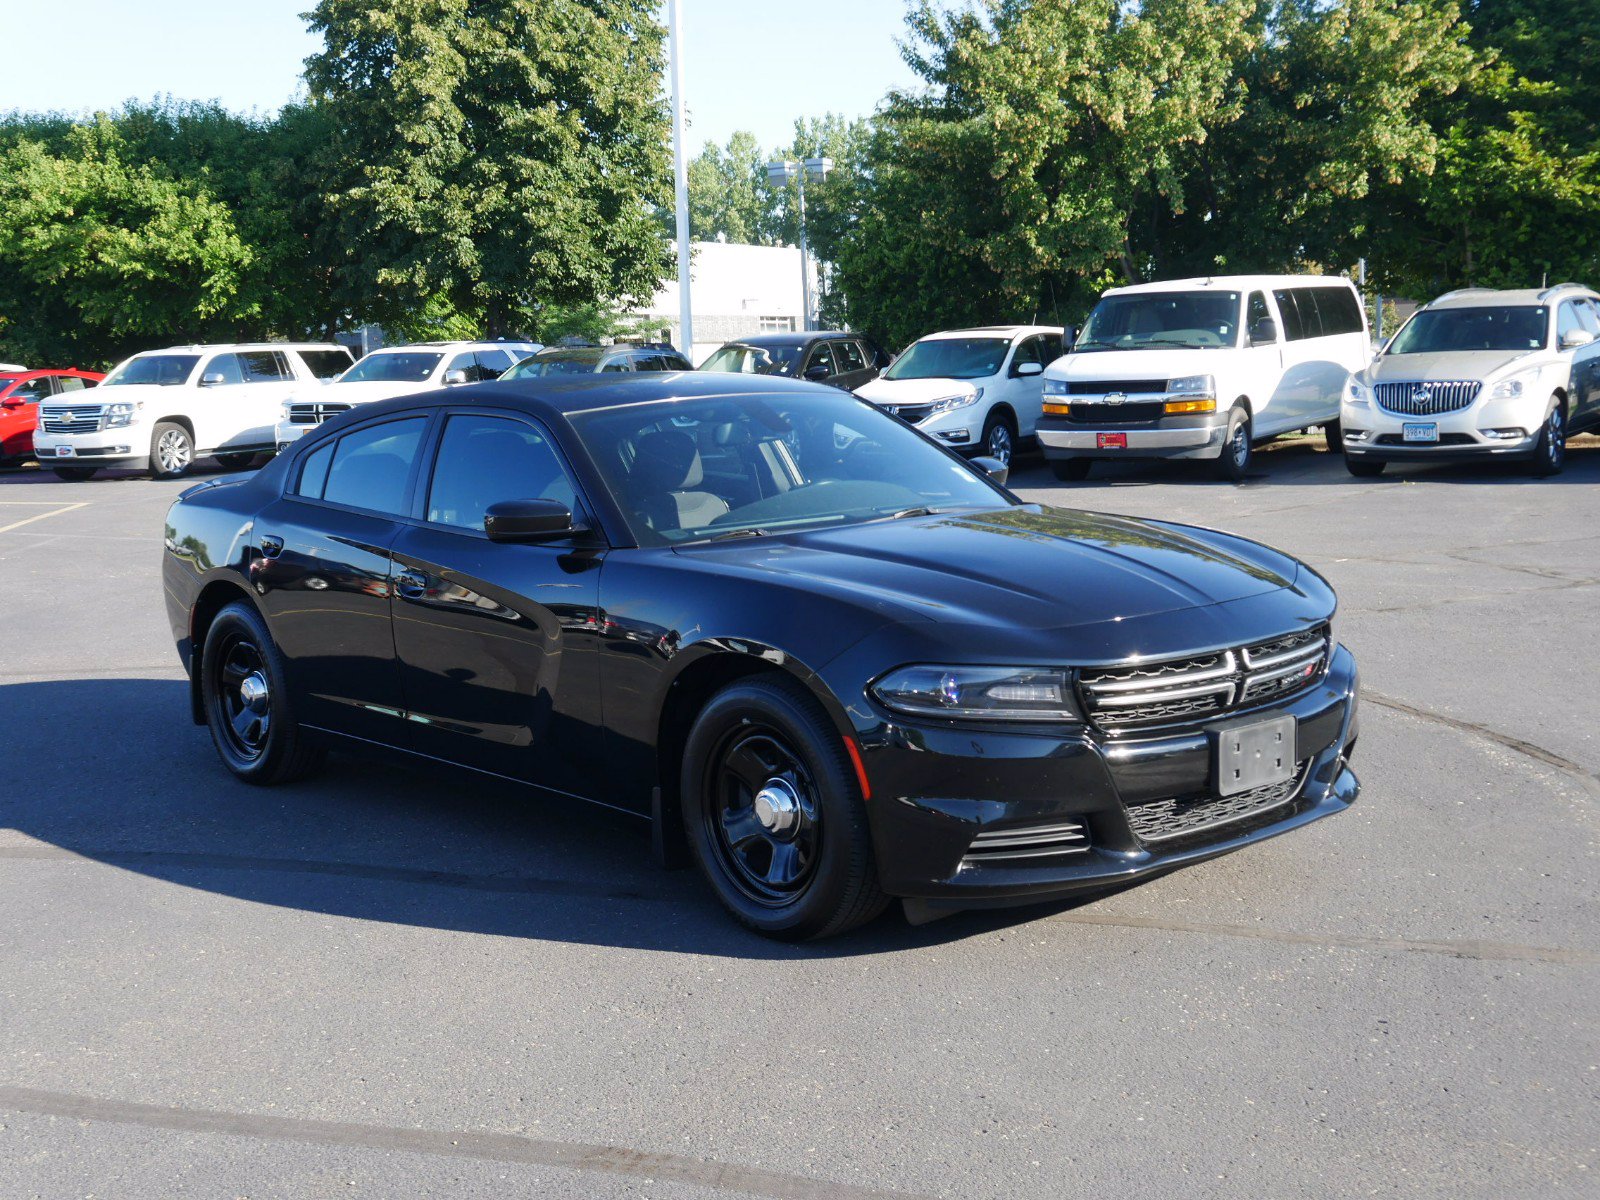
(122, 413)
(1193, 385)
(979, 693)
(1055, 387)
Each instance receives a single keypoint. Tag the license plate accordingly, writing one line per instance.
(65, 451)
(1111, 441)
(1420, 433)
(1254, 754)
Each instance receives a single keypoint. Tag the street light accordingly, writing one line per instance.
(681, 185)
(781, 174)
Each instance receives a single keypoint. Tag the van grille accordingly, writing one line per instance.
(1426, 399)
(73, 418)
(1128, 387)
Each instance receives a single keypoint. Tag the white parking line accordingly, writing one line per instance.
(56, 511)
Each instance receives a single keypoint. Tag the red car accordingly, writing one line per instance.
(20, 393)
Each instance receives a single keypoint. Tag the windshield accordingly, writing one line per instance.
(950, 358)
(1160, 320)
(754, 360)
(565, 364)
(687, 470)
(163, 370)
(393, 366)
(1439, 330)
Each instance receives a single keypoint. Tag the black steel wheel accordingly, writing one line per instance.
(1233, 464)
(1550, 451)
(774, 815)
(243, 689)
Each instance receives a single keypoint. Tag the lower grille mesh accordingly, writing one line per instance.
(1162, 820)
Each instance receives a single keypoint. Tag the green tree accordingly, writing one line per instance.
(729, 198)
(501, 156)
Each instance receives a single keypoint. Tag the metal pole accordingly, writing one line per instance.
(805, 256)
(681, 184)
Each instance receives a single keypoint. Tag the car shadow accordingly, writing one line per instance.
(371, 838)
(40, 473)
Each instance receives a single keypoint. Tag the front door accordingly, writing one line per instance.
(498, 643)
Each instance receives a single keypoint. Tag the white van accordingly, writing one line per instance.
(1203, 368)
(163, 409)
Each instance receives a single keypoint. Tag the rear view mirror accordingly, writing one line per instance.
(528, 521)
(1030, 368)
(1573, 338)
(993, 468)
(454, 376)
(211, 379)
(1264, 332)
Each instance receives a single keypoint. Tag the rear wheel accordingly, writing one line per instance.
(235, 462)
(171, 450)
(1000, 437)
(1364, 468)
(1071, 470)
(1550, 451)
(243, 687)
(774, 815)
(75, 474)
(1233, 464)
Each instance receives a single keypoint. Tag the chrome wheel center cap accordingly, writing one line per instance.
(254, 693)
(777, 806)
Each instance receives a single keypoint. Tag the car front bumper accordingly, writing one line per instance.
(1197, 436)
(1376, 434)
(942, 796)
(127, 448)
(287, 433)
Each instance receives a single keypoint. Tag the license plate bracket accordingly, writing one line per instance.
(1111, 441)
(1252, 754)
(65, 452)
(1420, 431)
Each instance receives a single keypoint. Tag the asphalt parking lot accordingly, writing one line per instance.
(395, 981)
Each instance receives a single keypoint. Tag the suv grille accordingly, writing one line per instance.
(314, 413)
(1426, 399)
(73, 418)
(1205, 685)
(1163, 820)
(912, 413)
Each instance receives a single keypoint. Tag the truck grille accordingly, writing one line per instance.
(1426, 399)
(1192, 690)
(73, 418)
(1164, 820)
(1059, 836)
(314, 412)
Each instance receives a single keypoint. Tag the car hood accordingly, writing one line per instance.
(1016, 568)
(132, 393)
(1432, 368)
(913, 391)
(1170, 363)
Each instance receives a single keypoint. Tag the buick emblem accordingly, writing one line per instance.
(1421, 395)
(1116, 397)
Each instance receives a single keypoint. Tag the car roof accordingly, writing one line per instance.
(1229, 283)
(210, 347)
(1514, 297)
(1008, 331)
(797, 338)
(447, 346)
(578, 353)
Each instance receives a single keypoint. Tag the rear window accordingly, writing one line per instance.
(365, 469)
(162, 370)
(326, 364)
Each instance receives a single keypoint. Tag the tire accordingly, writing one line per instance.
(1233, 464)
(1071, 470)
(171, 450)
(75, 474)
(1333, 435)
(1550, 451)
(774, 816)
(1364, 468)
(244, 695)
(999, 437)
(236, 462)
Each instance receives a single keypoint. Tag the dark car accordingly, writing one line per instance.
(838, 661)
(591, 360)
(843, 360)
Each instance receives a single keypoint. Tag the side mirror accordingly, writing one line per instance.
(817, 372)
(1574, 338)
(1029, 368)
(528, 521)
(994, 469)
(454, 376)
(1264, 332)
(212, 379)
(12, 402)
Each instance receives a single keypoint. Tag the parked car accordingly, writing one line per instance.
(978, 390)
(1203, 368)
(396, 371)
(21, 392)
(843, 360)
(589, 360)
(1480, 374)
(844, 665)
(163, 409)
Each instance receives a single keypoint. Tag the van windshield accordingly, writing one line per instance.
(1442, 330)
(1162, 320)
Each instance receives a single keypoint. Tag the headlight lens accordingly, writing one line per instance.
(1055, 387)
(979, 693)
(1510, 389)
(122, 413)
(948, 403)
(1193, 385)
(1357, 392)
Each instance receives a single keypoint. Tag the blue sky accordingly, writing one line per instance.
(751, 64)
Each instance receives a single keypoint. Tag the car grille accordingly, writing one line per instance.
(1426, 399)
(1059, 836)
(1191, 690)
(1128, 387)
(1164, 820)
(314, 413)
(73, 418)
(912, 413)
(1120, 413)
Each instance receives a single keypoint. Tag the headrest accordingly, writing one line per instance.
(667, 461)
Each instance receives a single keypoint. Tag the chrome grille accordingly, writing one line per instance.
(314, 413)
(1191, 690)
(1426, 399)
(1162, 820)
(1059, 836)
(912, 413)
(73, 418)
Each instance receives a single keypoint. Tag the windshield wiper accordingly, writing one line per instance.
(751, 531)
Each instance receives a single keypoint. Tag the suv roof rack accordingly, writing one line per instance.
(1466, 291)
(1560, 287)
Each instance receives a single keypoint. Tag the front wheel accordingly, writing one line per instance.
(774, 815)
(1364, 468)
(1071, 470)
(75, 474)
(1000, 437)
(244, 691)
(1550, 451)
(171, 450)
(1233, 464)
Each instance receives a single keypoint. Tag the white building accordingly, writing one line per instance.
(737, 291)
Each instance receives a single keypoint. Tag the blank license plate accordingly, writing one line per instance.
(65, 452)
(1111, 441)
(1420, 433)
(1254, 755)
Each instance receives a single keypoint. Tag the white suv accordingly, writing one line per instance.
(398, 371)
(1480, 374)
(164, 408)
(973, 389)
(1203, 368)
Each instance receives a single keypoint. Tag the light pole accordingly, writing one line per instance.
(681, 184)
(782, 174)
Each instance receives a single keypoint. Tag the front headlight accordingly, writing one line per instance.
(979, 693)
(1192, 385)
(1513, 386)
(1055, 387)
(1357, 392)
(950, 403)
(122, 413)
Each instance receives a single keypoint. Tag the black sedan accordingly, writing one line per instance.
(835, 661)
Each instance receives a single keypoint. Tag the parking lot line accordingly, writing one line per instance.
(56, 511)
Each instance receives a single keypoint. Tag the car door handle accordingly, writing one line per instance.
(271, 545)
(411, 583)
